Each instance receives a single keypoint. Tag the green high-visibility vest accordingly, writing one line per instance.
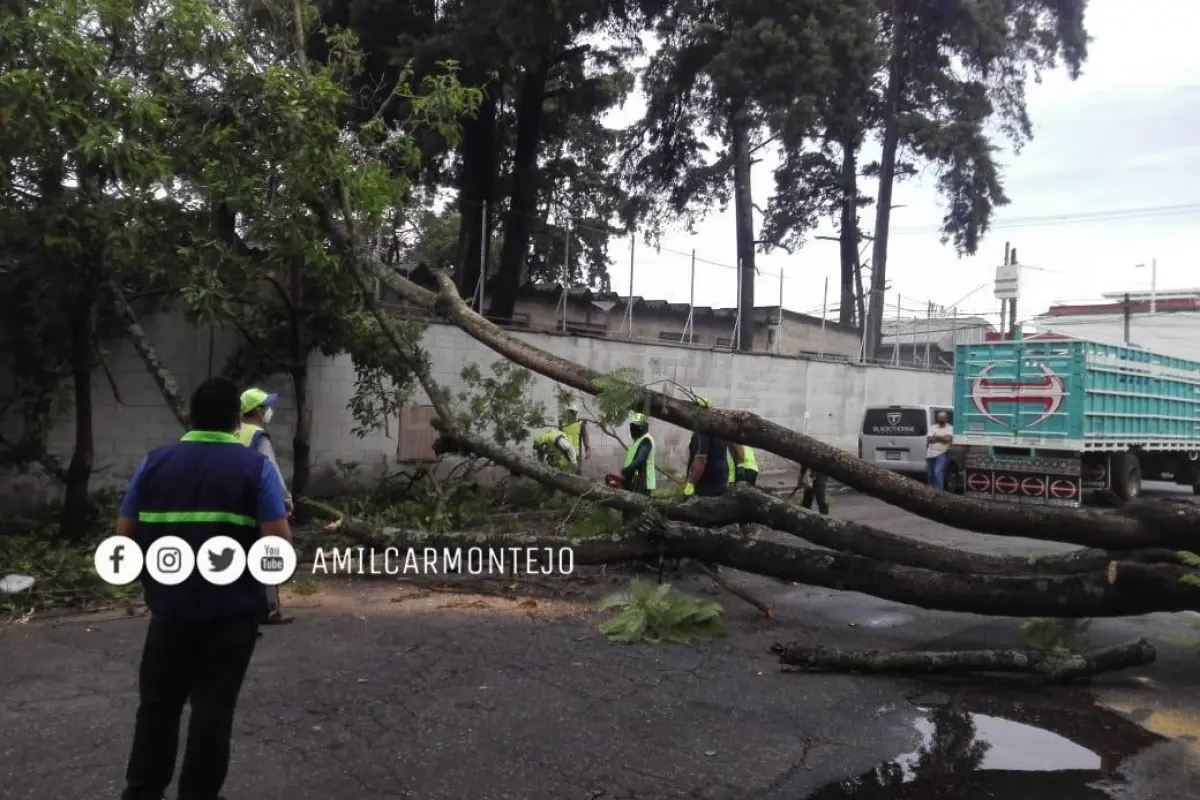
(748, 461)
(545, 443)
(574, 434)
(651, 472)
(249, 434)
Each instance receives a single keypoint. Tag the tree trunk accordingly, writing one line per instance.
(743, 212)
(301, 347)
(522, 205)
(302, 435)
(887, 176)
(1054, 666)
(848, 234)
(476, 183)
(860, 297)
(76, 506)
(1138, 588)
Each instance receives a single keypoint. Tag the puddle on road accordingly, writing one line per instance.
(973, 747)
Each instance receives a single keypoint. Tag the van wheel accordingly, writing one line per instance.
(1126, 477)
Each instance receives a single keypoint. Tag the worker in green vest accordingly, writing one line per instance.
(743, 465)
(257, 409)
(555, 449)
(638, 473)
(576, 431)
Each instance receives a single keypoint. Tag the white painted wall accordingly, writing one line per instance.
(780, 389)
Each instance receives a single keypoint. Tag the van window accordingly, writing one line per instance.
(895, 422)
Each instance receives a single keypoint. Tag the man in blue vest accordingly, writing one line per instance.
(201, 635)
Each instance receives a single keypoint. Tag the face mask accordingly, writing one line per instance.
(267, 415)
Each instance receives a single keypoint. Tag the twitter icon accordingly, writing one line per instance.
(221, 560)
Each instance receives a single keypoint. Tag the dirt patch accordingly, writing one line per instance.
(563, 599)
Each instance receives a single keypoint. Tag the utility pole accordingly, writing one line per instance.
(1012, 304)
(1008, 288)
(1153, 285)
(928, 330)
(1128, 317)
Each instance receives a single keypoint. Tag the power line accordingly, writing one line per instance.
(1052, 220)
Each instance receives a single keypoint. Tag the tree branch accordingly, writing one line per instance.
(145, 349)
(1056, 667)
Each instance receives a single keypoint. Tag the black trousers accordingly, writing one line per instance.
(202, 663)
(750, 476)
(816, 492)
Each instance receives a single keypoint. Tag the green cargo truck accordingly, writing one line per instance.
(1046, 420)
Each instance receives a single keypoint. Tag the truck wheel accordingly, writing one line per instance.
(953, 479)
(1126, 476)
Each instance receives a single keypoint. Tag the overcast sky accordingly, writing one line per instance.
(1123, 138)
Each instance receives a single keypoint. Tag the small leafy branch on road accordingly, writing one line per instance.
(658, 613)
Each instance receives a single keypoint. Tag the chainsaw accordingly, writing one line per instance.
(614, 480)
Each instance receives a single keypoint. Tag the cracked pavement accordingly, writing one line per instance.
(378, 691)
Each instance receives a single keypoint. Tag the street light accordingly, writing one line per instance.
(1153, 282)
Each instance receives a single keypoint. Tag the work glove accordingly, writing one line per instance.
(688, 489)
(739, 475)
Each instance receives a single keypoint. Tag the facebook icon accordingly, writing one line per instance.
(119, 560)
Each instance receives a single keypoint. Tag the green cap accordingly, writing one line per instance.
(639, 419)
(255, 398)
(703, 402)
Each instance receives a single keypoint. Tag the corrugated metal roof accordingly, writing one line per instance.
(944, 332)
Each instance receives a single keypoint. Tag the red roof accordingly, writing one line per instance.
(996, 337)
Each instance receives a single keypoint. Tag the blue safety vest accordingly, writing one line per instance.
(206, 485)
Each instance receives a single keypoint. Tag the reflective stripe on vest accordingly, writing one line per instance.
(184, 517)
(574, 434)
(651, 472)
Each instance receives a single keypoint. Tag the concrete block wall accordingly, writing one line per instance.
(825, 400)
(780, 389)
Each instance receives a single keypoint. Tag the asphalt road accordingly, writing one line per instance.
(383, 691)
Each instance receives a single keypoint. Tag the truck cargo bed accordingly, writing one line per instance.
(1075, 395)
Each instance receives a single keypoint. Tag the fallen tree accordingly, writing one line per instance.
(1134, 528)
(1124, 589)
(1121, 581)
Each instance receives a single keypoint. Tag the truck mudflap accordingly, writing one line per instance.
(1027, 479)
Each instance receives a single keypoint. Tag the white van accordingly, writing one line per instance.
(893, 437)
